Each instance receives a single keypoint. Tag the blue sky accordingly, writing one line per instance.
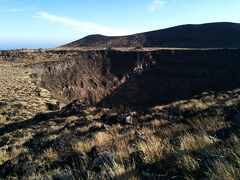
(50, 23)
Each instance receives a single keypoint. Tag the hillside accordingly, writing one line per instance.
(211, 35)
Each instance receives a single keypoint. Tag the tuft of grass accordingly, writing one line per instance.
(224, 171)
(99, 139)
(194, 142)
(5, 155)
(188, 163)
(152, 148)
(50, 155)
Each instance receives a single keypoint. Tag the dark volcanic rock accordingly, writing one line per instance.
(103, 160)
(67, 175)
(94, 152)
(52, 107)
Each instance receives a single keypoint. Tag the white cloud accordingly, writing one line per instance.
(85, 27)
(22, 9)
(156, 4)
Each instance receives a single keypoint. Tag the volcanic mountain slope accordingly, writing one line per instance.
(211, 35)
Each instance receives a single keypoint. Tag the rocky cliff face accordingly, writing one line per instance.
(161, 77)
(90, 76)
(142, 78)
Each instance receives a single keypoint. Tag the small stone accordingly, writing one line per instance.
(143, 137)
(61, 105)
(105, 127)
(52, 107)
(214, 139)
(128, 119)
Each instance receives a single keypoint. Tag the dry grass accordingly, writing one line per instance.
(224, 171)
(71, 118)
(50, 155)
(195, 105)
(6, 155)
(195, 142)
(188, 163)
(99, 139)
(152, 148)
